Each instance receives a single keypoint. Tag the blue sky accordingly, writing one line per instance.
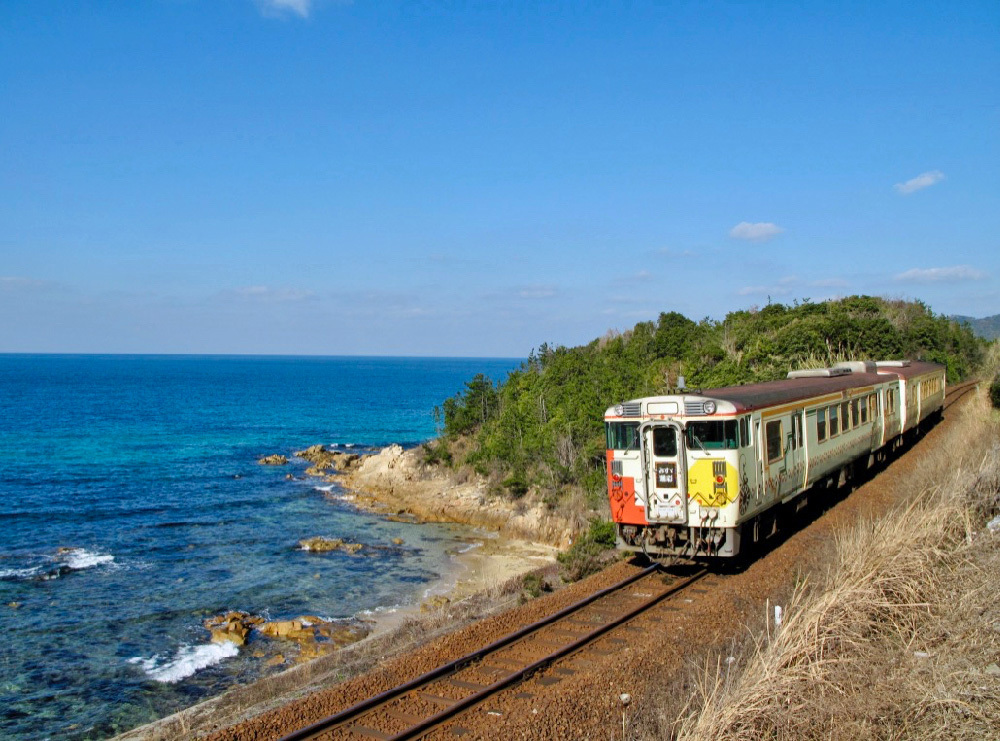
(476, 178)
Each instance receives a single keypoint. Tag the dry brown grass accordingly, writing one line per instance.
(896, 639)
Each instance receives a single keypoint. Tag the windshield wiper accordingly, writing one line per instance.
(694, 438)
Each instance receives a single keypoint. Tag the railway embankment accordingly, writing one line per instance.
(898, 637)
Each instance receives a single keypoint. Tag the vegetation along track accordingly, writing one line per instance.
(414, 708)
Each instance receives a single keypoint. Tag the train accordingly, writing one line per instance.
(709, 473)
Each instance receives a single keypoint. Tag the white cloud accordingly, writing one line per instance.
(21, 284)
(300, 8)
(921, 181)
(265, 294)
(759, 232)
(783, 287)
(952, 274)
(537, 292)
(789, 285)
(829, 283)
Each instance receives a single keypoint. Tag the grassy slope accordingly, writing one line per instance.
(898, 639)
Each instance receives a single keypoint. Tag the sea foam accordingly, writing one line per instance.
(78, 559)
(189, 660)
(13, 574)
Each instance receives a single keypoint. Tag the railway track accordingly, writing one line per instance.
(954, 393)
(414, 708)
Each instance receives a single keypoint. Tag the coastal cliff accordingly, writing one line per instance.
(398, 483)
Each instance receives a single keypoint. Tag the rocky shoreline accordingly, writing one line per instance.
(397, 483)
(394, 482)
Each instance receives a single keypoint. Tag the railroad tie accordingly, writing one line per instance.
(370, 733)
(437, 699)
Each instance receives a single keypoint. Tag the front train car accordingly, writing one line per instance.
(673, 466)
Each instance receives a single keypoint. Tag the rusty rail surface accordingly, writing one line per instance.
(341, 719)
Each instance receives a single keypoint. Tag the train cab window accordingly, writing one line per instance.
(834, 425)
(821, 424)
(622, 435)
(855, 413)
(845, 416)
(664, 442)
(712, 435)
(863, 405)
(772, 432)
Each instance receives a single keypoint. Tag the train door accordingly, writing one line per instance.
(875, 415)
(666, 479)
(773, 449)
(761, 478)
(794, 455)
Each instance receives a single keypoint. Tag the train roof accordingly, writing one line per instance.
(752, 396)
(771, 393)
(910, 370)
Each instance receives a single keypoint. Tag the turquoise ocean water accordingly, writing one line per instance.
(132, 508)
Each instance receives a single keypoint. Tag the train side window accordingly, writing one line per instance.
(821, 424)
(845, 416)
(796, 431)
(772, 432)
(863, 403)
(834, 426)
(744, 431)
(855, 413)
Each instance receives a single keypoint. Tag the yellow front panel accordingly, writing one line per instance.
(705, 486)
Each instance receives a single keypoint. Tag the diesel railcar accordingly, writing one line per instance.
(707, 473)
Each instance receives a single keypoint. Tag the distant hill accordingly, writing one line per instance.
(988, 327)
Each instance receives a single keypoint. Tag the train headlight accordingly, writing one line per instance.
(620, 410)
(709, 407)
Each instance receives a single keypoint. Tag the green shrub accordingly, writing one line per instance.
(995, 392)
(516, 485)
(533, 586)
(435, 453)
(590, 552)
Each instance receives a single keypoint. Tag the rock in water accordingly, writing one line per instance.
(320, 544)
(232, 626)
(273, 460)
(324, 460)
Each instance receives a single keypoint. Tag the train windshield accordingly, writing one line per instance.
(712, 435)
(622, 435)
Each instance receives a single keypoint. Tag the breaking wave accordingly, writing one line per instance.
(77, 559)
(65, 561)
(189, 660)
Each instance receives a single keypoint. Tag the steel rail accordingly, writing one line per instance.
(519, 675)
(453, 667)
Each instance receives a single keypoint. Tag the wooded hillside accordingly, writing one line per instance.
(544, 424)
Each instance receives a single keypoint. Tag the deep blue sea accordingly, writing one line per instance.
(132, 508)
